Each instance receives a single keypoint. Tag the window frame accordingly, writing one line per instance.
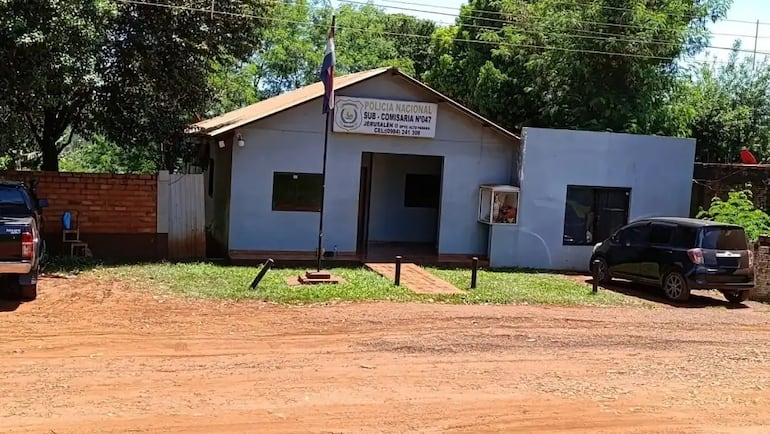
(297, 207)
(595, 191)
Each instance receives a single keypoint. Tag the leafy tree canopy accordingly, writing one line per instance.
(726, 107)
(137, 73)
(597, 65)
(739, 209)
(291, 50)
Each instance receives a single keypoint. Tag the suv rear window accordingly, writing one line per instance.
(723, 239)
(11, 196)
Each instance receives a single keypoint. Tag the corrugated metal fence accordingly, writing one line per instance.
(186, 214)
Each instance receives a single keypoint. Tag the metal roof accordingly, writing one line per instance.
(263, 109)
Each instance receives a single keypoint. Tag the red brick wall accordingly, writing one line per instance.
(117, 214)
(105, 203)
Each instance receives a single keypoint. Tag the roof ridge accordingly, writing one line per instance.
(302, 94)
(254, 112)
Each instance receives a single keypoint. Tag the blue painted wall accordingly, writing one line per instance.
(658, 170)
(390, 220)
(293, 141)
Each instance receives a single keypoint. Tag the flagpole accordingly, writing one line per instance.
(323, 194)
(328, 107)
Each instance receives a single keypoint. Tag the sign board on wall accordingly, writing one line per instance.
(385, 117)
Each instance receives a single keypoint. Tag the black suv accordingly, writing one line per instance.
(679, 254)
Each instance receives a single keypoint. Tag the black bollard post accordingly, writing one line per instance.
(474, 272)
(265, 267)
(595, 274)
(398, 271)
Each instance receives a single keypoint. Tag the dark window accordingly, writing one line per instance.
(422, 191)
(724, 238)
(592, 214)
(635, 235)
(684, 238)
(661, 234)
(14, 201)
(297, 191)
(12, 196)
(211, 177)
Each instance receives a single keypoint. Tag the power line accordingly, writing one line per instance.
(614, 8)
(593, 35)
(498, 20)
(601, 35)
(472, 41)
(605, 36)
(232, 14)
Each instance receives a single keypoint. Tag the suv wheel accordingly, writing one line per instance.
(736, 296)
(675, 286)
(601, 270)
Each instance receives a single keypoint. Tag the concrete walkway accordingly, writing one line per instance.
(415, 278)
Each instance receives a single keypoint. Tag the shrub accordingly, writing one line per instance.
(739, 209)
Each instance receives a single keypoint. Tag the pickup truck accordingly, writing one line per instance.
(22, 247)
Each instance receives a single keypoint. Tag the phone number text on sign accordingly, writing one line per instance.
(385, 117)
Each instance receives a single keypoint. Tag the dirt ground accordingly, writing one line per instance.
(91, 356)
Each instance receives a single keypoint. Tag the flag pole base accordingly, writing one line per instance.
(314, 277)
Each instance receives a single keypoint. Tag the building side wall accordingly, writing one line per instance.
(658, 170)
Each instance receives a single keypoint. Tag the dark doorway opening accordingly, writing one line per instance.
(399, 206)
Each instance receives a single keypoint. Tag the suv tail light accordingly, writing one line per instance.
(696, 256)
(751, 258)
(27, 245)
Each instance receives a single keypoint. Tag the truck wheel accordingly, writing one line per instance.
(675, 286)
(28, 292)
(736, 296)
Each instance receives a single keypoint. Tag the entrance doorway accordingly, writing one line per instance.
(399, 206)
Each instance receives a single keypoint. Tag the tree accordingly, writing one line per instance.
(739, 209)
(727, 107)
(597, 65)
(99, 155)
(411, 37)
(138, 73)
(291, 49)
(234, 84)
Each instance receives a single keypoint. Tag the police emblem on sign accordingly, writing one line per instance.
(348, 115)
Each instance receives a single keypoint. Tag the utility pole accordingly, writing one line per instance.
(756, 38)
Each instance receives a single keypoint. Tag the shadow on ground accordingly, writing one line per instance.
(698, 299)
(9, 305)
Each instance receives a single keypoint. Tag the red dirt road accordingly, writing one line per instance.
(94, 357)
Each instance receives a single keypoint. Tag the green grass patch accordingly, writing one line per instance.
(523, 286)
(205, 280)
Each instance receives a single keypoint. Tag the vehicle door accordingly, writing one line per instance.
(625, 256)
(660, 251)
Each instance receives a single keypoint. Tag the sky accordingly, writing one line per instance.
(724, 33)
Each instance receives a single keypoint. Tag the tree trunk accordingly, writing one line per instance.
(167, 157)
(54, 124)
(50, 154)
